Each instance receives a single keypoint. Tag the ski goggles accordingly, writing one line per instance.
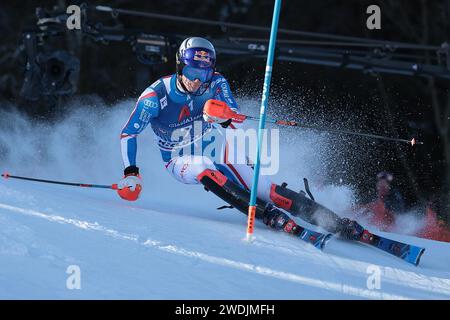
(202, 74)
(198, 63)
(198, 57)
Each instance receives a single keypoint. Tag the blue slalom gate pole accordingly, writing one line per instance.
(262, 120)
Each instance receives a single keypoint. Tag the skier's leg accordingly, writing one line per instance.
(238, 197)
(186, 168)
(198, 169)
(298, 204)
(295, 203)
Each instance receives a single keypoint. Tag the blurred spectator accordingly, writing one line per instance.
(388, 202)
(382, 211)
(391, 197)
(434, 228)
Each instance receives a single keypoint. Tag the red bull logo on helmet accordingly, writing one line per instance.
(202, 56)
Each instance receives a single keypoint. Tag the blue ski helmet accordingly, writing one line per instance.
(196, 59)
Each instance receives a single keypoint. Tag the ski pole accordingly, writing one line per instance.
(75, 184)
(412, 142)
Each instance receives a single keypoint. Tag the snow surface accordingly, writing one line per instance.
(172, 243)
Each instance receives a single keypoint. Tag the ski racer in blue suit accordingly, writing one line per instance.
(185, 108)
(173, 106)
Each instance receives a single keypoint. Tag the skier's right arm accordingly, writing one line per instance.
(147, 107)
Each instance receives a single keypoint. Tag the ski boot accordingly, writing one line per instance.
(299, 205)
(239, 198)
(349, 229)
(278, 220)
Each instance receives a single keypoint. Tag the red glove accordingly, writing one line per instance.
(130, 186)
(216, 111)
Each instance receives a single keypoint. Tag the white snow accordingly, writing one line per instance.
(172, 243)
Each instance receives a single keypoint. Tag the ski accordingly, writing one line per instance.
(306, 208)
(404, 251)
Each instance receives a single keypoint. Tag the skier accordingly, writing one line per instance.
(194, 101)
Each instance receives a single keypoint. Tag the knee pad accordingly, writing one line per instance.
(294, 202)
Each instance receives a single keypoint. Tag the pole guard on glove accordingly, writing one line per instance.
(216, 111)
(130, 187)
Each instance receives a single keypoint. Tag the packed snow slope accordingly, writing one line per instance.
(173, 243)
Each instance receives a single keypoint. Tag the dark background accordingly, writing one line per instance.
(398, 106)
